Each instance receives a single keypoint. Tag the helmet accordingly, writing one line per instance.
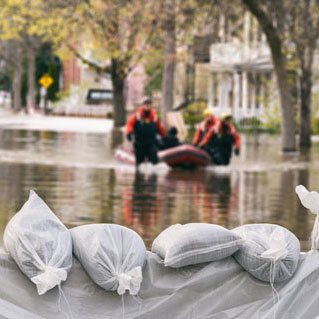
(226, 116)
(147, 100)
(207, 112)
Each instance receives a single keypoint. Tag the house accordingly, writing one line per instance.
(232, 70)
(241, 79)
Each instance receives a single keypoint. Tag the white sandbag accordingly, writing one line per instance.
(269, 252)
(112, 255)
(39, 243)
(310, 200)
(194, 243)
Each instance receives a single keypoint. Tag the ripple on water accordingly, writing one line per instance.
(77, 176)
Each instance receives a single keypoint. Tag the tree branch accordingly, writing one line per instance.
(94, 65)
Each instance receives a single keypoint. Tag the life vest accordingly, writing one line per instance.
(145, 129)
(216, 137)
(204, 128)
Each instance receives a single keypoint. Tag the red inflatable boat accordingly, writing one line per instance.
(187, 156)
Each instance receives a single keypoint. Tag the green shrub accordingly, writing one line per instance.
(315, 125)
(193, 114)
(272, 119)
(191, 119)
(250, 121)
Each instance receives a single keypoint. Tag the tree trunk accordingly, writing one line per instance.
(169, 66)
(287, 110)
(118, 79)
(31, 79)
(305, 110)
(17, 80)
(279, 61)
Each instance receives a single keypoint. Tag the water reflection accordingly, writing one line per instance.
(202, 196)
(116, 138)
(142, 207)
(76, 174)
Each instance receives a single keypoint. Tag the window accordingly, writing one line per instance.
(99, 96)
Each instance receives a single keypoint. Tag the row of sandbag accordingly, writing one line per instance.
(268, 252)
(42, 247)
(114, 255)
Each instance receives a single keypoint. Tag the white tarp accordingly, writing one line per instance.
(217, 290)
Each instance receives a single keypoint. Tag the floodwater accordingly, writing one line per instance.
(77, 176)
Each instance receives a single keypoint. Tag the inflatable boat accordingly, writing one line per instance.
(125, 155)
(186, 156)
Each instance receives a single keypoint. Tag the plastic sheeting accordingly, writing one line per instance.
(217, 290)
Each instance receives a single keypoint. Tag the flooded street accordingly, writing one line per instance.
(78, 177)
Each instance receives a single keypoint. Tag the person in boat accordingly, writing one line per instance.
(220, 139)
(209, 121)
(142, 128)
(170, 140)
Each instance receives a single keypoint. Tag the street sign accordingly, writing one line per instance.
(46, 80)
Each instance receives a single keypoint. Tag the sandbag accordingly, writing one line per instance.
(194, 243)
(269, 252)
(112, 255)
(310, 200)
(39, 243)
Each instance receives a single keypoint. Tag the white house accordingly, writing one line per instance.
(233, 71)
(241, 79)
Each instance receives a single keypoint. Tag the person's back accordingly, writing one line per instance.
(203, 128)
(220, 139)
(170, 140)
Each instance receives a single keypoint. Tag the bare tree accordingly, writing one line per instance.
(292, 31)
(11, 52)
(266, 13)
(123, 32)
(169, 63)
(303, 24)
(31, 44)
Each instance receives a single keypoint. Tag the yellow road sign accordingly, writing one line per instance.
(46, 80)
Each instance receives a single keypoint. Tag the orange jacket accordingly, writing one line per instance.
(138, 115)
(204, 127)
(217, 129)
